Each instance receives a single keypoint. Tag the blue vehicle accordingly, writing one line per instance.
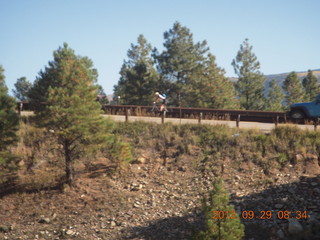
(306, 110)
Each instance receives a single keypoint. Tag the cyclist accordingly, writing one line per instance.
(161, 98)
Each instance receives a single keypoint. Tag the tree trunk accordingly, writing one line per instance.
(69, 169)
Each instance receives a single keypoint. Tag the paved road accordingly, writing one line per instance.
(263, 127)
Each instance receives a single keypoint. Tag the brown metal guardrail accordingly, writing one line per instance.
(199, 113)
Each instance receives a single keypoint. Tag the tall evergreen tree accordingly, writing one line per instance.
(222, 221)
(68, 88)
(250, 85)
(294, 90)
(212, 89)
(139, 79)
(2, 77)
(9, 124)
(180, 63)
(51, 76)
(311, 86)
(23, 87)
(275, 97)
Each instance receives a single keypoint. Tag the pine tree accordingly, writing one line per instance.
(294, 90)
(212, 89)
(51, 76)
(311, 86)
(250, 85)
(9, 124)
(180, 63)
(71, 112)
(23, 87)
(222, 221)
(138, 80)
(2, 79)
(275, 97)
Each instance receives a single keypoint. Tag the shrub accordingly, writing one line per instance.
(119, 152)
(222, 222)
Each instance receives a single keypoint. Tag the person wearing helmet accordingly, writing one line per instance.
(161, 98)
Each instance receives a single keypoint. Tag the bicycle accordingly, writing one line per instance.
(155, 108)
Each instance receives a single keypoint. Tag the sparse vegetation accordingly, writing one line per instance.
(9, 124)
(200, 149)
(222, 221)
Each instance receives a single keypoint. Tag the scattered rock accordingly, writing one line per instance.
(294, 226)
(141, 160)
(136, 204)
(280, 234)
(298, 157)
(182, 169)
(70, 232)
(44, 220)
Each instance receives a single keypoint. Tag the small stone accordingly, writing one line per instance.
(141, 160)
(294, 226)
(70, 232)
(279, 205)
(44, 220)
(136, 205)
(237, 177)
(182, 169)
(313, 184)
(280, 234)
(299, 157)
(113, 224)
(291, 190)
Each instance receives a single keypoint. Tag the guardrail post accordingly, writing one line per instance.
(127, 114)
(238, 121)
(200, 118)
(315, 124)
(277, 121)
(163, 115)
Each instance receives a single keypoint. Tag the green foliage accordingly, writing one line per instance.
(56, 75)
(250, 85)
(219, 142)
(293, 88)
(275, 97)
(212, 89)
(2, 78)
(8, 165)
(23, 87)
(138, 81)
(218, 227)
(180, 64)
(9, 124)
(102, 97)
(186, 73)
(9, 121)
(311, 86)
(119, 152)
(215, 138)
(282, 158)
(71, 113)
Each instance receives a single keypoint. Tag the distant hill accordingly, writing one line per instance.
(282, 76)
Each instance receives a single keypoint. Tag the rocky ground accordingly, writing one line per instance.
(153, 201)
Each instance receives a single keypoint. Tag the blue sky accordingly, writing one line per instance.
(284, 33)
